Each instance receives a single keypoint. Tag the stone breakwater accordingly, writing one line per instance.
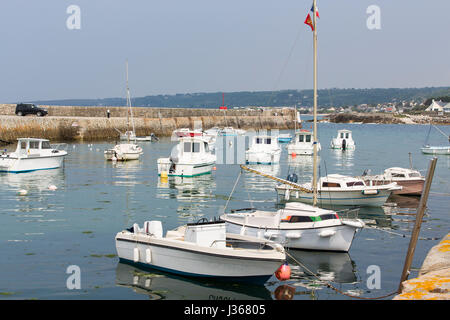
(433, 281)
(90, 123)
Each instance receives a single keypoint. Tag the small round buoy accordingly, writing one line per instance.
(294, 154)
(214, 168)
(23, 192)
(52, 187)
(283, 273)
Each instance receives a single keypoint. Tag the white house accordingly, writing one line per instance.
(436, 106)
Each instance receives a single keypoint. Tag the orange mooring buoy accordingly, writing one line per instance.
(293, 154)
(283, 272)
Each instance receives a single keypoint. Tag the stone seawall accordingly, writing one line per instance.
(162, 122)
(433, 281)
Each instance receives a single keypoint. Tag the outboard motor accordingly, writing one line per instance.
(344, 144)
(292, 178)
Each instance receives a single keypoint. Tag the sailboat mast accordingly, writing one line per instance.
(314, 182)
(130, 111)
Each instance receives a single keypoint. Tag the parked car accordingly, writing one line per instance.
(22, 109)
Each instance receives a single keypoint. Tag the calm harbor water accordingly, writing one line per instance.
(45, 232)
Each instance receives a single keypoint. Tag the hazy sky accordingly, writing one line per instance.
(181, 46)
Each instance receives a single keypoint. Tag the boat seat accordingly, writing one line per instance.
(153, 228)
(177, 234)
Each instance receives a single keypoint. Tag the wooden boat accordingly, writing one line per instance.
(410, 180)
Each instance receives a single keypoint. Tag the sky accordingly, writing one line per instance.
(179, 46)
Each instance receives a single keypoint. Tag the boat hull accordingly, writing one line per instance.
(183, 170)
(28, 164)
(263, 157)
(436, 150)
(343, 198)
(194, 263)
(334, 238)
(410, 187)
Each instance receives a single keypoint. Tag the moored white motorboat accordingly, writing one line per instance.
(410, 180)
(302, 143)
(32, 154)
(298, 226)
(336, 189)
(123, 152)
(230, 131)
(263, 150)
(202, 249)
(427, 149)
(191, 157)
(343, 140)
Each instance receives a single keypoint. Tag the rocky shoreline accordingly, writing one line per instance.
(387, 118)
(433, 281)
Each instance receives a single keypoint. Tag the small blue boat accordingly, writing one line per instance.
(284, 138)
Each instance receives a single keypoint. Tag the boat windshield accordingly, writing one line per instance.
(46, 145)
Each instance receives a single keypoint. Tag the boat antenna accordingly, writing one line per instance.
(314, 182)
(130, 111)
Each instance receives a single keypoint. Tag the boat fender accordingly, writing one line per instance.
(148, 255)
(136, 255)
(327, 233)
(287, 194)
(370, 192)
(270, 235)
(242, 232)
(293, 235)
(283, 272)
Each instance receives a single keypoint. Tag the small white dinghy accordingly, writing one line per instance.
(201, 249)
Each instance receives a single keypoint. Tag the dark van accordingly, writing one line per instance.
(22, 109)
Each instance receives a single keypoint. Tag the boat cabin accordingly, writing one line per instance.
(344, 134)
(32, 145)
(303, 136)
(340, 181)
(393, 173)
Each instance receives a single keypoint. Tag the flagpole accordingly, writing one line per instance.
(314, 183)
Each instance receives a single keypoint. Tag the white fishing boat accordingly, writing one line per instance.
(343, 140)
(190, 157)
(32, 154)
(297, 226)
(123, 152)
(410, 180)
(336, 189)
(302, 143)
(186, 132)
(202, 249)
(264, 149)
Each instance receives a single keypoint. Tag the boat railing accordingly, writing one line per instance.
(245, 244)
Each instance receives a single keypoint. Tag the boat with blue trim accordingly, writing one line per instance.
(32, 154)
(201, 249)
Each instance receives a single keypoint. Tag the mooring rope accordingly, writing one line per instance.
(329, 285)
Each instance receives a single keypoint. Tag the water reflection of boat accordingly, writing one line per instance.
(36, 180)
(160, 285)
(188, 188)
(344, 158)
(330, 266)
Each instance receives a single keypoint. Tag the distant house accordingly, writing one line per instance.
(446, 108)
(436, 106)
